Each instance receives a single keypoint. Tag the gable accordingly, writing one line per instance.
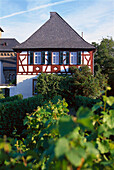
(55, 33)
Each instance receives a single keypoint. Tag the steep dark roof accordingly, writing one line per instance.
(9, 63)
(55, 33)
(7, 44)
(1, 29)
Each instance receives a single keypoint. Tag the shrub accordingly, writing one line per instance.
(12, 114)
(1, 95)
(81, 82)
(56, 140)
(49, 85)
(85, 84)
(84, 101)
(15, 97)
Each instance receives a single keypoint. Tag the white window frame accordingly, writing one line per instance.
(38, 55)
(64, 57)
(73, 58)
(56, 56)
(46, 57)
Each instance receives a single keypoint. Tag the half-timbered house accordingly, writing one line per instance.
(53, 48)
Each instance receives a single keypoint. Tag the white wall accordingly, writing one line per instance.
(24, 86)
(2, 79)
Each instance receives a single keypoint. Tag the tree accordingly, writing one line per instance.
(85, 84)
(1, 94)
(81, 82)
(104, 58)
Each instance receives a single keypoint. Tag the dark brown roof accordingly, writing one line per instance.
(55, 33)
(7, 44)
(1, 29)
(9, 63)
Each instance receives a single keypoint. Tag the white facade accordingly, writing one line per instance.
(24, 86)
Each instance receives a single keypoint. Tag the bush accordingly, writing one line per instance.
(49, 85)
(81, 82)
(84, 101)
(85, 84)
(8, 99)
(56, 140)
(12, 114)
(1, 95)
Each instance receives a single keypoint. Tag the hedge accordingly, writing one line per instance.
(85, 102)
(12, 114)
(8, 99)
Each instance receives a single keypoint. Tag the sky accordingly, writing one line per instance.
(21, 18)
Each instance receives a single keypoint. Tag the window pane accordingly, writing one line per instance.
(71, 59)
(55, 57)
(74, 58)
(37, 57)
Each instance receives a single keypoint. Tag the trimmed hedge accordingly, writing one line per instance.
(12, 114)
(8, 99)
(85, 102)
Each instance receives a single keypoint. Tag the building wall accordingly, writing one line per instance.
(10, 75)
(24, 86)
(2, 79)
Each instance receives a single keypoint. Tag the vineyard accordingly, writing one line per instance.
(53, 139)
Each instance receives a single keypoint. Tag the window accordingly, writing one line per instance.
(37, 58)
(10, 77)
(55, 57)
(73, 58)
(30, 57)
(34, 86)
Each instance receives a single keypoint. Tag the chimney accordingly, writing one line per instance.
(52, 14)
(82, 34)
(1, 30)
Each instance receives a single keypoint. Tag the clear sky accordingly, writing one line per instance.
(21, 18)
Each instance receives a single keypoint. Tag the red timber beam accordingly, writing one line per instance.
(91, 57)
(18, 62)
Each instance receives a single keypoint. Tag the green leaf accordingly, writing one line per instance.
(25, 121)
(91, 150)
(84, 115)
(66, 125)
(109, 119)
(62, 147)
(103, 146)
(75, 156)
(110, 100)
(96, 106)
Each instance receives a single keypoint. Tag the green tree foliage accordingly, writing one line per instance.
(55, 140)
(104, 58)
(81, 82)
(1, 95)
(85, 84)
(12, 98)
